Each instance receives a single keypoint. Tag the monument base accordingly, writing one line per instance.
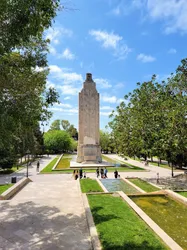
(89, 154)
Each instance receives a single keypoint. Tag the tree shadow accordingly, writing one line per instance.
(100, 218)
(30, 225)
(130, 246)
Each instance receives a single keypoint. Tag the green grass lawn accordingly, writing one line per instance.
(3, 188)
(119, 227)
(89, 185)
(48, 168)
(147, 187)
(10, 171)
(64, 162)
(183, 193)
(123, 164)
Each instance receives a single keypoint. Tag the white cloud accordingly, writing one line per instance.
(112, 99)
(145, 58)
(102, 83)
(172, 51)
(65, 74)
(105, 113)
(68, 89)
(74, 110)
(109, 99)
(67, 98)
(124, 8)
(67, 54)
(53, 34)
(64, 105)
(111, 41)
(173, 12)
(119, 85)
(81, 65)
(52, 50)
(50, 85)
(106, 108)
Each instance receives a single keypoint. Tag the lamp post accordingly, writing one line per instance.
(28, 152)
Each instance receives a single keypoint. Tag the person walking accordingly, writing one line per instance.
(80, 173)
(38, 167)
(76, 175)
(97, 172)
(102, 172)
(105, 172)
(84, 174)
(116, 174)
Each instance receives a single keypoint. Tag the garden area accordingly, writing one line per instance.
(119, 227)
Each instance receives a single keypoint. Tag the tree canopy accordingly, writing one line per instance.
(152, 120)
(24, 99)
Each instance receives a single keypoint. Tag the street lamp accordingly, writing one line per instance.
(28, 152)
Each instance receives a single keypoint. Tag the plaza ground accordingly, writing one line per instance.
(48, 213)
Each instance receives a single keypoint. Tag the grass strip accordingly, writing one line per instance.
(119, 227)
(183, 193)
(168, 213)
(49, 167)
(64, 162)
(89, 185)
(123, 164)
(144, 185)
(3, 188)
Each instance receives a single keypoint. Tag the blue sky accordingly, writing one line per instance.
(121, 42)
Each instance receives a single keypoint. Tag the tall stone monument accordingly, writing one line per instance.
(89, 150)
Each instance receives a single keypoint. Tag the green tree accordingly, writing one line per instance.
(65, 124)
(57, 141)
(24, 100)
(55, 125)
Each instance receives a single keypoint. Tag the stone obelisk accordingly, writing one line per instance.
(89, 150)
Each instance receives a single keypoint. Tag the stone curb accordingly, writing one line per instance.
(154, 185)
(176, 196)
(91, 225)
(133, 185)
(14, 189)
(165, 237)
(101, 185)
(57, 162)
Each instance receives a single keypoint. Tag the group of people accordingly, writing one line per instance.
(79, 174)
(99, 172)
(102, 172)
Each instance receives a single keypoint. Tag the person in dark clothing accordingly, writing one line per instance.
(76, 175)
(38, 166)
(116, 174)
(97, 172)
(105, 172)
(80, 173)
(102, 172)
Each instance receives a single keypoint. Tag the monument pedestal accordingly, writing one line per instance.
(88, 154)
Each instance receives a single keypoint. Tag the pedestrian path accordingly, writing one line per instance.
(47, 214)
(44, 161)
(152, 170)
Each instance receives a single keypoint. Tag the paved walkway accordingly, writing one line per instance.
(151, 169)
(32, 170)
(47, 214)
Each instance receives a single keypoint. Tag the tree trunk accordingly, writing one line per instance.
(151, 158)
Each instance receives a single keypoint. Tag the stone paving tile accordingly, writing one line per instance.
(47, 214)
